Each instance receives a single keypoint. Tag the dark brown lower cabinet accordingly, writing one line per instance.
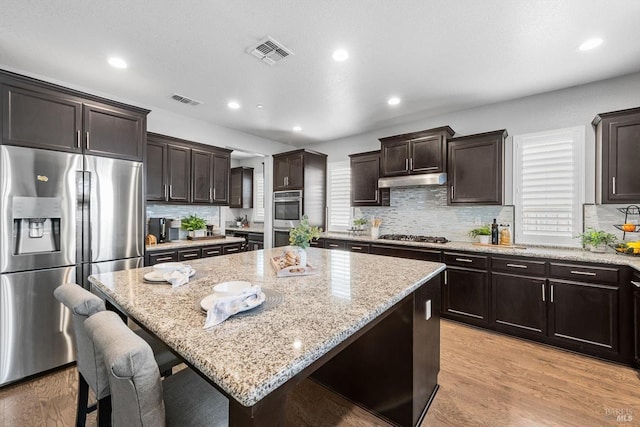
(161, 256)
(584, 314)
(636, 316)
(188, 254)
(519, 304)
(465, 295)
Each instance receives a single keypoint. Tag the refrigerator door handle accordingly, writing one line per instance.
(84, 217)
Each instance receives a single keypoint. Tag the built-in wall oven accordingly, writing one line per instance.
(287, 209)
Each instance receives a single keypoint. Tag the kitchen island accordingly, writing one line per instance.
(365, 326)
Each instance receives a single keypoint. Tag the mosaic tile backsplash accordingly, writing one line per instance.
(603, 217)
(210, 213)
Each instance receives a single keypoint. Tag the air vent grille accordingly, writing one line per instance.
(269, 51)
(185, 100)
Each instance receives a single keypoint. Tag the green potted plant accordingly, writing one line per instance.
(194, 225)
(596, 240)
(301, 237)
(482, 233)
(359, 223)
(239, 221)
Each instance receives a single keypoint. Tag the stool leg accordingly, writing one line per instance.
(104, 412)
(83, 400)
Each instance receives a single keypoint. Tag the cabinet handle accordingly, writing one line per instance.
(233, 249)
(87, 143)
(356, 248)
(331, 245)
(583, 273)
(164, 191)
(411, 163)
(464, 260)
(517, 266)
(214, 193)
(636, 284)
(452, 192)
(189, 255)
(213, 252)
(543, 300)
(77, 139)
(210, 194)
(406, 164)
(446, 277)
(164, 258)
(170, 190)
(551, 293)
(613, 178)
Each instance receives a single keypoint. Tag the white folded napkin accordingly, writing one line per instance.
(179, 276)
(225, 307)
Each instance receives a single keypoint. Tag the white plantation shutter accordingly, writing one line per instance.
(548, 186)
(258, 212)
(339, 196)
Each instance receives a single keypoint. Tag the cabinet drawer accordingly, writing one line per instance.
(167, 256)
(231, 249)
(405, 252)
(358, 247)
(465, 260)
(335, 244)
(319, 243)
(584, 273)
(209, 251)
(518, 266)
(189, 254)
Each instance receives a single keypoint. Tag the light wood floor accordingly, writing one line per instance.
(486, 379)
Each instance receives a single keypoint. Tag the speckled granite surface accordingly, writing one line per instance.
(251, 356)
(251, 229)
(609, 257)
(192, 243)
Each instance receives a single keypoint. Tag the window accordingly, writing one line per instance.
(339, 196)
(548, 186)
(258, 212)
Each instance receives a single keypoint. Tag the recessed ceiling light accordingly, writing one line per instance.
(340, 55)
(591, 44)
(259, 106)
(117, 62)
(233, 105)
(297, 128)
(393, 101)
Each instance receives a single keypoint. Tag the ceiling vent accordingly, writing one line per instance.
(269, 51)
(185, 100)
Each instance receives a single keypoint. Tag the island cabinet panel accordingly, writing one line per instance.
(465, 294)
(519, 304)
(618, 152)
(392, 369)
(365, 172)
(475, 167)
(415, 153)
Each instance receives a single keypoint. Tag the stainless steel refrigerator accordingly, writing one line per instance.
(63, 216)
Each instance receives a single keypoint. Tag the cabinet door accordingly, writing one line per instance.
(280, 173)
(295, 178)
(621, 183)
(465, 295)
(519, 304)
(235, 188)
(427, 154)
(178, 173)
(365, 171)
(475, 172)
(221, 167)
(636, 329)
(113, 132)
(584, 314)
(395, 158)
(156, 171)
(201, 176)
(41, 120)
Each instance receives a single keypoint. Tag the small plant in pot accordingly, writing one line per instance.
(597, 240)
(483, 234)
(195, 226)
(239, 221)
(359, 223)
(301, 237)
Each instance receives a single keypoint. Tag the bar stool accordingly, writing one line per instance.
(91, 372)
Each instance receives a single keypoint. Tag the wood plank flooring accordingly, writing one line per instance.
(486, 379)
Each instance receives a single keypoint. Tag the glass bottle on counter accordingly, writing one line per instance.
(505, 235)
(495, 239)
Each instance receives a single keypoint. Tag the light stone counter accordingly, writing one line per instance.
(192, 243)
(251, 356)
(251, 229)
(609, 257)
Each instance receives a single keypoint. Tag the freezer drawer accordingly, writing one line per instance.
(37, 332)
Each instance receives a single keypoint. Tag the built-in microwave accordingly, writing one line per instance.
(287, 208)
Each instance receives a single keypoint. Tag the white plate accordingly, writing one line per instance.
(207, 302)
(168, 267)
(158, 276)
(231, 288)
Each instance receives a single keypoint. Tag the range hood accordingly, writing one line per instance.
(413, 180)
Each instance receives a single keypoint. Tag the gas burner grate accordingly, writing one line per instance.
(414, 238)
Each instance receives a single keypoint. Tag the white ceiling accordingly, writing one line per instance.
(437, 55)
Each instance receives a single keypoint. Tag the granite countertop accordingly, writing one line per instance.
(609, 257)
(177, 244)
(251, 229)
(250, 356)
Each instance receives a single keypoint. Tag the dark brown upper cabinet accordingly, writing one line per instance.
(181, 171)
(416, 152)
(475, 169)
(41, 115)
(365, 171)
(618, 156)
(241, 188)
(288, 173)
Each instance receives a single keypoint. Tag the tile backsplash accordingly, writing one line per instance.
(210, 213)
(424, 211)
(603, 217)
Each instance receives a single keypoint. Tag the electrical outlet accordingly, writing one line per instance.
(478, 221)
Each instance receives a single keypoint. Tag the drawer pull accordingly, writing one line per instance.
(543, 298)
(164, 258)
(517, 266)
(331, 245)
(583, 273)
(551, 293)
(464, 260)
(356, 248)
(636, 284)
(213, 252)
(189, 255)
(232, 249)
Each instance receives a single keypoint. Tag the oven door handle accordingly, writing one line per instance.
(296, 199)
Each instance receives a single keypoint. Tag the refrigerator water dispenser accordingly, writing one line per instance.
(36, 224)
